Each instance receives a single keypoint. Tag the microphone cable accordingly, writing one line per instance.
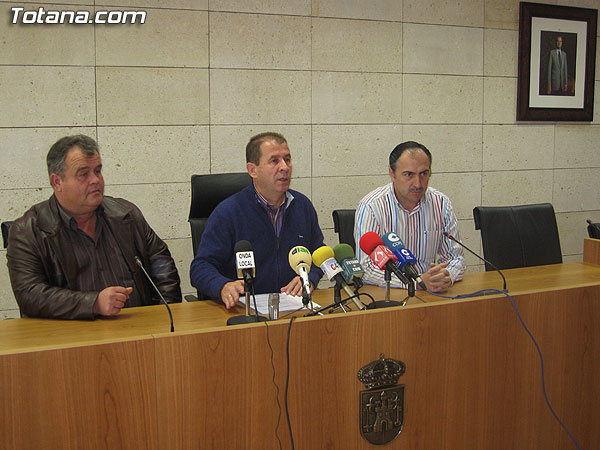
(539, 351)
(287, 379)
(253, 300)
(276, 386)
(364, 293)
(287, 372)
(331, 307)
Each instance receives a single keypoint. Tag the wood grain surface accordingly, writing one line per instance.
(472, 379)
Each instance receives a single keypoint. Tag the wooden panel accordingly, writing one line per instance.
(472, 376)
(472, 379)
(215, 391)
(591, 251)
(96, 397)
(25, 335)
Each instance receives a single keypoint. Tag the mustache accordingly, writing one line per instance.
(416, 190)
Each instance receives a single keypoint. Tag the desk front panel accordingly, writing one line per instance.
(472, 378)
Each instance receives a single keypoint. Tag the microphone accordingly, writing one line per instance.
(324, 258)
(452, 238)
(372, 245)
(353, 271)
(246, 270)
(244, 263)
(406, 260)
(138, 261)
(300, 260)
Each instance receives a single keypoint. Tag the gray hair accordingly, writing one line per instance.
(56, 158)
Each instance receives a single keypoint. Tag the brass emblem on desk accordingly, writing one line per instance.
(382, 404)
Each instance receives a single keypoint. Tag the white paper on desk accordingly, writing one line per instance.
(286, 303)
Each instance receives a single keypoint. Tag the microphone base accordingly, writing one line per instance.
(384, 304)
(239, 320)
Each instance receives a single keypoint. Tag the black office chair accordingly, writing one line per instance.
(207, 192)
(518, 236)
(5, 227)
(343, 225)
(593, 229)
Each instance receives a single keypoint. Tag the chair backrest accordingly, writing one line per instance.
(5, 227)
(518, 236)
(343, 225)
(207, 192)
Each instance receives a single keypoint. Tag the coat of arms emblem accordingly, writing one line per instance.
(382, 404)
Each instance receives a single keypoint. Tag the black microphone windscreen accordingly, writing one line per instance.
(242, 246)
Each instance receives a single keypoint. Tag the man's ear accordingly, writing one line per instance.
(251, 168)
(55, 181)
(391, 173)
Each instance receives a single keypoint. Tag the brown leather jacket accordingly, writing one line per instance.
(43, 273)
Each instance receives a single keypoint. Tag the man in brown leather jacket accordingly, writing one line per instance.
(73, 255)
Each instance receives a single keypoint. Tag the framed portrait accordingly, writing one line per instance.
(557, 63)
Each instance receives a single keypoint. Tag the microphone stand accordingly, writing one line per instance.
(306, 300)
(247, 303)
(331, 307)
(247, 318)
(337, 297)
(493, 266)
(387, 303)
(138, 261)
(387, 276)
(411, 285)
(305, 297)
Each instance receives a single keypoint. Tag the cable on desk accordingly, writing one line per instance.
(368, 295)
(486, 292)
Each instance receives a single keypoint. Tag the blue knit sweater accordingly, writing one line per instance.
(241, 217)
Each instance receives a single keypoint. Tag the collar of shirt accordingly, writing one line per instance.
(265, 204)
(422, 201)
(276, 215)
(70, 221)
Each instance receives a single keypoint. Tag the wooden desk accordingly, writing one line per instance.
(591, 251)
(472, 378)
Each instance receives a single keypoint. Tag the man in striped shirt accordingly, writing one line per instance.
(420, 215)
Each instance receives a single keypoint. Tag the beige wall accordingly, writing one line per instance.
(344, 80)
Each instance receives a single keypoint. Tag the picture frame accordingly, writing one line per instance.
(557, 63)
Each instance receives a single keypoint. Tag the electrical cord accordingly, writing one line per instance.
(364, 293)
(287, 379)
(276, 386)
(486, 292)
(254, 300)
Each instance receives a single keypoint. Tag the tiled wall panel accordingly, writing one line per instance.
(344, 80)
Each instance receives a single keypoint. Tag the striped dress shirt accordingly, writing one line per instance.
(100, 261)
(421, 230)
(276, 215)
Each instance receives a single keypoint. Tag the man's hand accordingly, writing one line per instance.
(230, 293)
(111, 299)
(294, 287)
(437, 278)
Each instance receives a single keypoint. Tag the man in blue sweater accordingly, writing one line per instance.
(268, 214)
